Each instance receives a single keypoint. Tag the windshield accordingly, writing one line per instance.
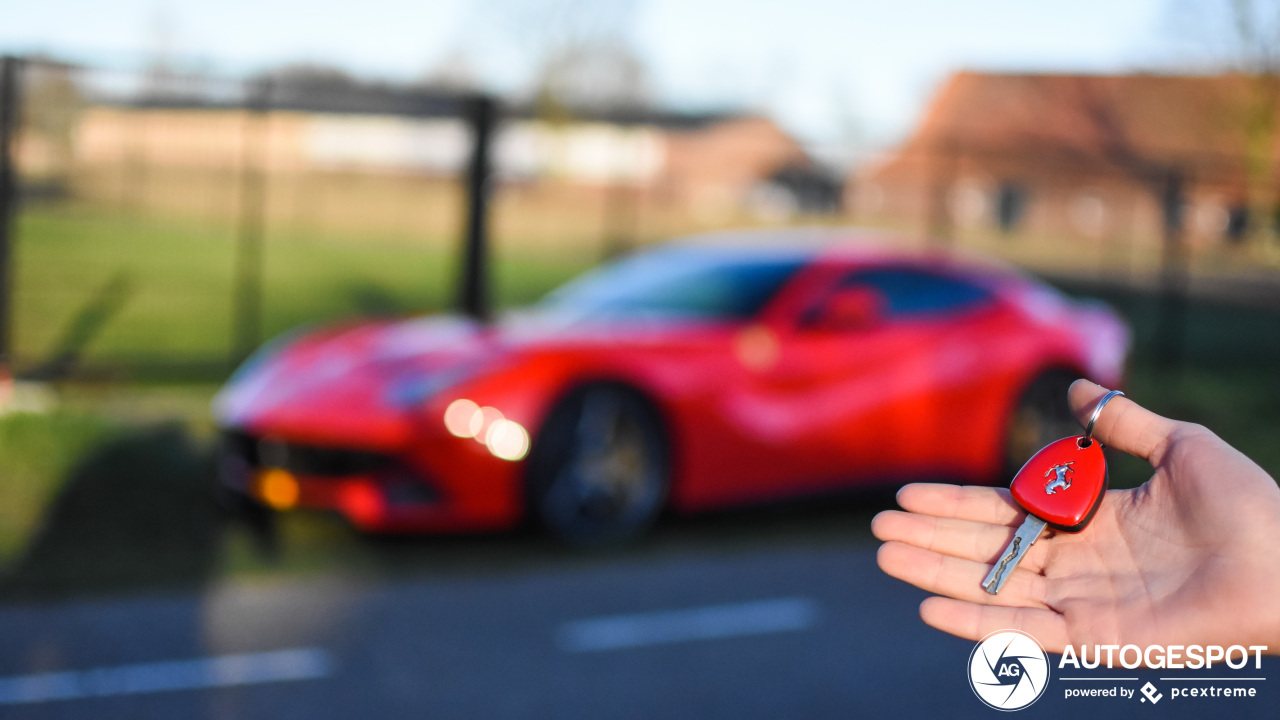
(677, 282)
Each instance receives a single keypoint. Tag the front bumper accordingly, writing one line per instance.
(375, 492)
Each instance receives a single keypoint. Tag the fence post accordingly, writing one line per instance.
(247, 302)
(620, 219)
(1172, 319)
(473, 292)
(940, 226)
(9, 119)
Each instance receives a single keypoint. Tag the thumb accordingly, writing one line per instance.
(1124, 424)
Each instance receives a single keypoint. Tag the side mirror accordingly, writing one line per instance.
(851, 308)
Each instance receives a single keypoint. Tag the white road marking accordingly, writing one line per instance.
(213, 672)
(702, 623)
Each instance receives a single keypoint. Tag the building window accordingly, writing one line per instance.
(813, 190)
(1011, 205)
(1237, 223)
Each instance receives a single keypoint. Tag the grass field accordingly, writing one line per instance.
(110, 490)
(139, 292)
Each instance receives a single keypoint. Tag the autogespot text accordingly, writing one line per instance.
(1159, 657)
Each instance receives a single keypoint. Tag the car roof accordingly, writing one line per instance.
(846, 244)
(802, 243)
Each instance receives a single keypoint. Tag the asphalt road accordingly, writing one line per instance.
(807, 630)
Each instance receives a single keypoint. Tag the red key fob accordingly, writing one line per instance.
(1063, 484)
(1062, 487)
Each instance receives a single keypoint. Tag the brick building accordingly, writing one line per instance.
(1084, 155)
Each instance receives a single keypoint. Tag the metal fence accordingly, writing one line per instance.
(156, 223)
(143, 214)
(161, 221)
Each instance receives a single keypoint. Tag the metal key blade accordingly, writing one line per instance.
(1022, 541)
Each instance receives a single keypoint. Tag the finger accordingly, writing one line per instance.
(979, 504)
(1123, 424)
(974, 622)
(958, 578)
(977, 541)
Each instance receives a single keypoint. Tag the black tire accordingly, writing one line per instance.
(598, 472)
(232, 495)
(1041, 416)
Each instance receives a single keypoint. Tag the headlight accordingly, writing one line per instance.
(505, 438)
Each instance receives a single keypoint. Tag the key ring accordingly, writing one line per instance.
(1088, 430)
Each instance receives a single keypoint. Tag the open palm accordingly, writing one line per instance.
(1190, 557)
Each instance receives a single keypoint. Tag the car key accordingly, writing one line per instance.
(1060, 487)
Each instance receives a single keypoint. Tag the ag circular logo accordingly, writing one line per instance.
(1008, 670)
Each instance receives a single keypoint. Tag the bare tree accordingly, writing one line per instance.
(50, 113)
(1243, 37)
(577, 52)
(1257, 34)
(597, 77)
(454, 72)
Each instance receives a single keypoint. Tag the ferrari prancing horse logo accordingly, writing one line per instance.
(1060, 480)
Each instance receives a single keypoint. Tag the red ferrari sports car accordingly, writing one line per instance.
(698, 374)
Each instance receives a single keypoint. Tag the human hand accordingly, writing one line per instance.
(1190, 557)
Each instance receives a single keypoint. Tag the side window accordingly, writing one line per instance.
(914, 293)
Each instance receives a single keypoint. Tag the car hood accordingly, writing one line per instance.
(353, 383)
(358, 383)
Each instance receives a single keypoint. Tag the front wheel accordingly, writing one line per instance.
(1042, 416)
(598, 472)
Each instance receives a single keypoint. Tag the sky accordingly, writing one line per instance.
(834, 72)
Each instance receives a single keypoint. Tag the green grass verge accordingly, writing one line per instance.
(135, 510)
(36, 453)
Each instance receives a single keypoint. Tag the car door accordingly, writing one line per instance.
(871, 376)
